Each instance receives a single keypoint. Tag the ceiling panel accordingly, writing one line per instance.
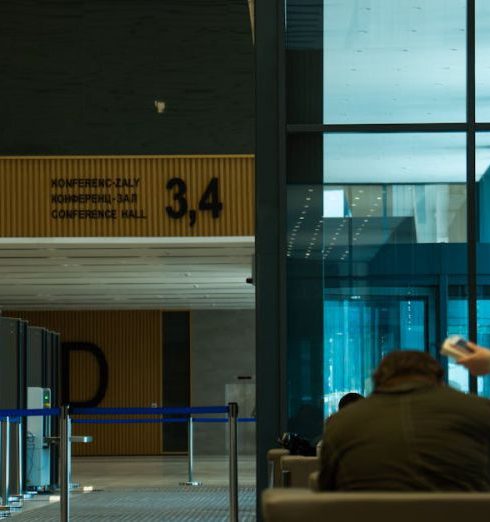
(126, 273)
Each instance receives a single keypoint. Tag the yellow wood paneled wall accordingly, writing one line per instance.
(132, 344)
(37, 195)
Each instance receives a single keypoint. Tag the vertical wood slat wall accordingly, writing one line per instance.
(28, 181)
(132, 344)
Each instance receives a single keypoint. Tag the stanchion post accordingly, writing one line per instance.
(19, 486)
(65, 463)
(16, 493)
(233, 462)
(190, 455)
(5, 489)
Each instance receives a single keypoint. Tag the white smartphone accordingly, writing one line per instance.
(456, 347)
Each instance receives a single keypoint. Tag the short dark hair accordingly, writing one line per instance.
(402, 363)
(349, 398)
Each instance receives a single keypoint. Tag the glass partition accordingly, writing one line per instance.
(394, 232)
(385, 208)
(394, 62)
(482, 60)
(483, 246)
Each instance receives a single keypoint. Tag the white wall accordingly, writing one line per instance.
(222, 349)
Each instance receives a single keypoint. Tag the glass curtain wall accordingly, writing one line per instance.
(388, 154)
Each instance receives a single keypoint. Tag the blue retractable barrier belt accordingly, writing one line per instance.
(156, 421)
(219, 419)
(149, 411)
(127, 421)
(43, 412)
(16, 415)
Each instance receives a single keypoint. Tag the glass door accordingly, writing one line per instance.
(359, 330)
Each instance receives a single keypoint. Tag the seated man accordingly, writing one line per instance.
(412, 434)
(349, 398)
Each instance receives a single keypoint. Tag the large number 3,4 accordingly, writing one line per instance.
(209, 200)
(179, 197)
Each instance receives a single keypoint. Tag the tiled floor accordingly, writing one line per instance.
(147, 488)
(172, 504)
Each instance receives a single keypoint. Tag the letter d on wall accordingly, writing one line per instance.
(95, 351)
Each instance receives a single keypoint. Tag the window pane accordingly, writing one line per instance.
(457, 324)
(380, 249)
(394, 236)
(305, 303)
(395, 158)
(304, 61)
(483, 248)
(400, 61)
(482, 60)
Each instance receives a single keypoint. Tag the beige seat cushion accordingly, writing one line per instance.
(274, 459)
(313, 480)
(300, 468)
(298, 505)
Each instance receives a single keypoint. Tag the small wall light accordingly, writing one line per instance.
(160, 106)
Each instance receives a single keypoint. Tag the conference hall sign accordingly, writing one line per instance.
(120, 196)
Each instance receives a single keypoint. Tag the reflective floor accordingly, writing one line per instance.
(135, 472)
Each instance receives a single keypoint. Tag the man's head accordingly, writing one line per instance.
(349, 398)
(407, 365)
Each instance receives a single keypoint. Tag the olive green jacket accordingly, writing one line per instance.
(414, 437)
